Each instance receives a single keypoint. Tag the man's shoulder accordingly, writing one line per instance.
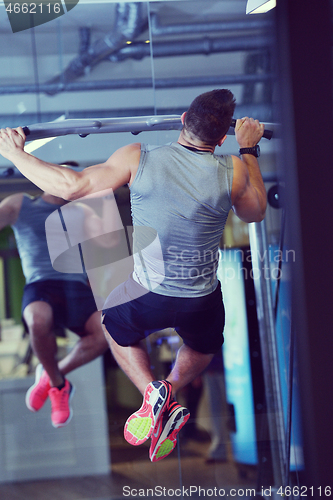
(125, 156)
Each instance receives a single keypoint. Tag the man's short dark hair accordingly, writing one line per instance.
(209, 115)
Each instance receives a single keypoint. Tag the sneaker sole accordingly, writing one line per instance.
(63, 424)
(168, 438)
(139, 426)
(38, 374)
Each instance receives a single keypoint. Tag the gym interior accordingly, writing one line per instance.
(271, 406)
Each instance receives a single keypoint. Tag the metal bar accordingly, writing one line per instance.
(208, 27)
(265, 313)
(281, 245)
(206, 45)
(289, 406)
(135, 83)
(87, 126)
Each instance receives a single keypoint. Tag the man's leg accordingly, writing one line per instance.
(89, 346)
(135, 363)
(189, 364)
(133, 360)
(49, 381)
(38, 316)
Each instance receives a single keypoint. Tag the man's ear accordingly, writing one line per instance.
(182, 118)
(221, 141)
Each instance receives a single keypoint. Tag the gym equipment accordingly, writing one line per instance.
(137, 124)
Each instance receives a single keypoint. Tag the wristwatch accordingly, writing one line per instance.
(255, 151)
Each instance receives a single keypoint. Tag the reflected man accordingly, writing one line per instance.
(53, 299)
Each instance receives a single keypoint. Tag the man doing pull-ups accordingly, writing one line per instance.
(184, 192)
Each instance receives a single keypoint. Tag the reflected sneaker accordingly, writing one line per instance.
(61, 411)
(140, 424)
(164, 435)
(38, 393)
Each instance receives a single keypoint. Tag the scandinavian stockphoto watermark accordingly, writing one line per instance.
(87, 235)
(230, 262)
(271, 264)
(24, 15)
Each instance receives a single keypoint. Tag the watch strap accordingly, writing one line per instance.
(255, 151)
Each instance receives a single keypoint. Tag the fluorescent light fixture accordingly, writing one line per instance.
(38, 143)
(259, 6)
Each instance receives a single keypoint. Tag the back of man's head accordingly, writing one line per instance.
(209, 115)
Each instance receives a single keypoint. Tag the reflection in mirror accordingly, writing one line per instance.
(103, 60)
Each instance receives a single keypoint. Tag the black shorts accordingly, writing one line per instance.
(72, 302)
(199, 321)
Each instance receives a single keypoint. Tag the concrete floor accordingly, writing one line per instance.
(132, 474)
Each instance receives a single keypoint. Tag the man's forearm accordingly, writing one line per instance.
(49, 177)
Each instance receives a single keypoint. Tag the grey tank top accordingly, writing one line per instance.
(29, 230)
(184, 197)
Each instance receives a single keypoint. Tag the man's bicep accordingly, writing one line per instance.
(108, 175)
(246, 207)
(244, 197)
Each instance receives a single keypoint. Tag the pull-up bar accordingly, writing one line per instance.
(87, 126)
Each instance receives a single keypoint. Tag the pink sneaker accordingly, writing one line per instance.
(38, 393)
(141, 423)
(61, 411)
(164, 435)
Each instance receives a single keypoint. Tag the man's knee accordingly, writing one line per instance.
(38, 325)
(38, 318)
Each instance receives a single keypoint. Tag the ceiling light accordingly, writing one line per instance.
(38, 143)
(259, 6)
